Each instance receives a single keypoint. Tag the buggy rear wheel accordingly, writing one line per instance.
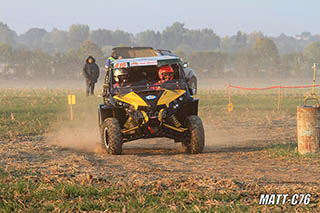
(111, 138)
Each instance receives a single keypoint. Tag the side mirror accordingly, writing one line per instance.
(192, 91)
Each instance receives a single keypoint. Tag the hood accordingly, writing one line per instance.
(93, 60)
(150, 98)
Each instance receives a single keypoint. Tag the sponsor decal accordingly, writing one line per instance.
(151, 97)
(143, 63)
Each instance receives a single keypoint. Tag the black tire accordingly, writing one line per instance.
(194, 144)
(111, 138)
(186, 147)
(193, 85)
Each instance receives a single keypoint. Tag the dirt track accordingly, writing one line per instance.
(231, 153)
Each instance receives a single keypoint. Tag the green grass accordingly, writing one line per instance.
(18, 193)
(34, 111)
(290, 151)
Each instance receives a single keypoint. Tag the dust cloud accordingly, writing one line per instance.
(75, 138)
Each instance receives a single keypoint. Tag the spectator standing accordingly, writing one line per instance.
(91, 73)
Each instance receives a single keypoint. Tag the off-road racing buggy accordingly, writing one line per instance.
(143, 107)
(135, 52)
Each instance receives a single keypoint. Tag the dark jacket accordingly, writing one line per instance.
(91, 70)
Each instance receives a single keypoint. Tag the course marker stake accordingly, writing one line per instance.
(230, 105)
(71, 101)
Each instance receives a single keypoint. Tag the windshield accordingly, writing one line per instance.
(128, 52)
(170, 85)
(147, 78)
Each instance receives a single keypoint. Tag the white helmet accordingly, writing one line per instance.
(120, 75)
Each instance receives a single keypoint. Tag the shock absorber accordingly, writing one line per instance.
(175, 121)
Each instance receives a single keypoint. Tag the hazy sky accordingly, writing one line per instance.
(225, 17)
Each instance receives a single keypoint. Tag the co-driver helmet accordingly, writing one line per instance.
(121, 75)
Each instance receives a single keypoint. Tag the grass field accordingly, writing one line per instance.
(26, 114)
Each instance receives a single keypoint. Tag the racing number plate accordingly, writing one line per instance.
(121, 65)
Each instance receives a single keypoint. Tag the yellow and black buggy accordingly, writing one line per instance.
(141, 107)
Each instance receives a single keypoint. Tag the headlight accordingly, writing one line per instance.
(177, 102)
(120, 103)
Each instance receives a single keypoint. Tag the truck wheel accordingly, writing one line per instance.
(194, 143)
(111, 138)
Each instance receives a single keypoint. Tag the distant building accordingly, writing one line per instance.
(304, 36)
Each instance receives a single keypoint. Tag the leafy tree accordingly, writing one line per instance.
(208, 63)
(56, 41)
(267, 55)
(241, 38)
(244, 62)
(235, 43)
(149, 38)
(5, 53)
(172, 36)
(33, 38)
(6, 35)
(287, 44)
(200, 40)
(77, 34)
(251, 40)
(67, 65)
(101, 37)
(311, 52)
(121, 38)
(89, 48)
(40, 65)
(293, 64)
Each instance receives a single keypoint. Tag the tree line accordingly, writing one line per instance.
(38, 54)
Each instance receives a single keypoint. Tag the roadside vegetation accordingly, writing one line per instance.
(31, 112)
(22, 190)
(59, 54)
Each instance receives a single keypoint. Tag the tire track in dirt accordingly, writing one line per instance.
(230, 153)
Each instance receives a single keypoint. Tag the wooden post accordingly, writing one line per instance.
(71, 113)
(279, 98)
(308, 121)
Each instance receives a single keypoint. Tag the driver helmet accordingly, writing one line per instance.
(121, 75)
(166, 73)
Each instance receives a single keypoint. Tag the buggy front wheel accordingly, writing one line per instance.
(111, 138)
(194, 143)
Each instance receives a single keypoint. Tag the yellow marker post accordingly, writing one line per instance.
(230, 105)
(314, 78)
(71, 101)
(313, 95)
